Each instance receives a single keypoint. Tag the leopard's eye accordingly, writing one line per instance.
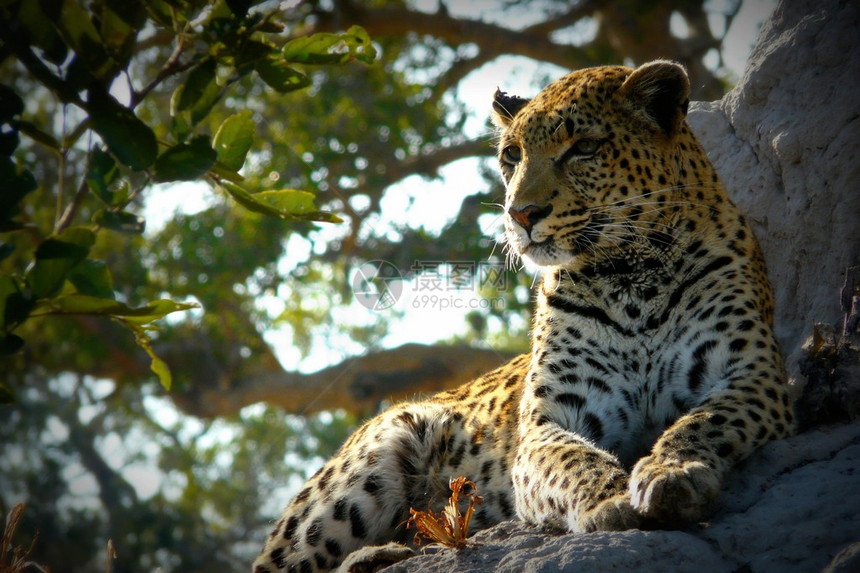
(511, 155)
(586, 146)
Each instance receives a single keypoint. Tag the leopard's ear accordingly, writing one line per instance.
(659, 92)
(505, 107)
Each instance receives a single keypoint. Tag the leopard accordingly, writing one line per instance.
(654, 368)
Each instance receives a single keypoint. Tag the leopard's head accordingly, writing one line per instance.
(592, 163)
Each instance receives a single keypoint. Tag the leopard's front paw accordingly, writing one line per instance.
(673, 490)
(613, 514)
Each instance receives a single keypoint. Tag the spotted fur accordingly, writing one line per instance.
(653, 366)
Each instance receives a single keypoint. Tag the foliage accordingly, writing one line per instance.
(88, 58)
(208, 486)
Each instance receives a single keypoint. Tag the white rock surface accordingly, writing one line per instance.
(785, 142)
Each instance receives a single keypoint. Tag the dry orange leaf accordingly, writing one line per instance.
(14, 559)
(450, 528)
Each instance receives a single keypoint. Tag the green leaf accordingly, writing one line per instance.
(7, 396)
(135, 319)
(224, 173)
(249, 54)
(127, 137)
(234, 138)
(185, 161)
(42, 32)
(180, 124)
(157, 365)
(287, 204)
(55, 258)
(121, 221)
(239, 7)
(16, 183)
(74, 242)
(78, 77)
(292, 201)
(92, 277)
(14, 307)
(161, 12)
(8, 142)
(198, 81)
(326, 217)
(198, 94)
(121, 191)
(120, 21)
(363, 50)
(325, 48)
(6, 249)
(157, 309)
(280, 76)
(247, 200)
(102, 172)
(74, 25)
(9, 344)
(11, 104)
(91, 305)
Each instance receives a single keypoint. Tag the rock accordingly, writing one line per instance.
(848, 560)
(513, 547)
(785, 143)
(793, 507)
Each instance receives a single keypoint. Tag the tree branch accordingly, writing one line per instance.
(208, 382)
(426, 164)
(357, 384)
(20, 47)
(459, 70)
(491, 39)
(430, 161)
(569, 18)
(636, 32)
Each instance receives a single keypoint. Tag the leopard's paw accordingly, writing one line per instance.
(672, 491)
(613, 514)
(375, 558)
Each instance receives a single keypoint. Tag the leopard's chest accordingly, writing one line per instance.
(617, 371)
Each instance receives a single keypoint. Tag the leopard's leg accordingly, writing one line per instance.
(362, 495)
(682, 477)
(560, 478)
(562, 481)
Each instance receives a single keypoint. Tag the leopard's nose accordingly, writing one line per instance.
(529, 216)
